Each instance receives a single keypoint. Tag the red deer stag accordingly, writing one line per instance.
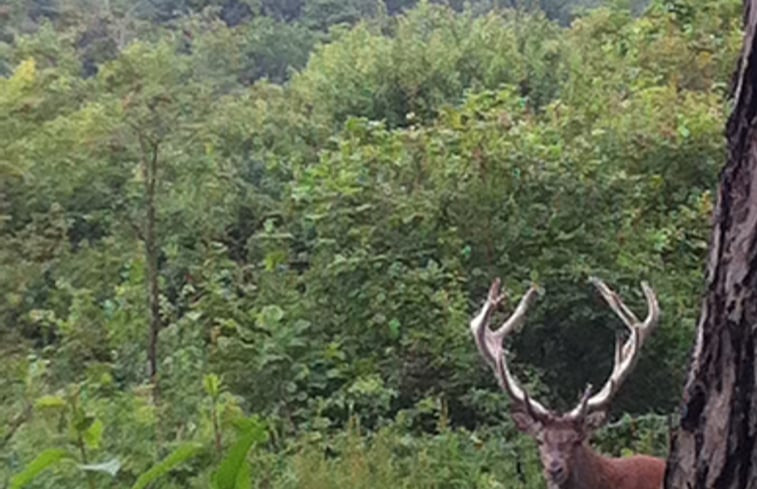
(567, 459)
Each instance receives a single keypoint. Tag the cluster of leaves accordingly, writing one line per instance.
(79, 435)
(317, 246)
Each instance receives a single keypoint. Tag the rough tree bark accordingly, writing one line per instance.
(714, 446)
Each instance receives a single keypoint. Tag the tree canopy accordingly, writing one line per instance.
(334, 186)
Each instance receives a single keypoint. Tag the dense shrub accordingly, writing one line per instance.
(322, 243)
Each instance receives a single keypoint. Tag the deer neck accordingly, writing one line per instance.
(590, 470)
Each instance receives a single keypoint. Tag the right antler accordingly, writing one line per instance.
(489, 344)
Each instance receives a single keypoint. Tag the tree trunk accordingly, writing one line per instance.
(149, 173)
(714, 446)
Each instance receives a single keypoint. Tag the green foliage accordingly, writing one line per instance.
(234, 470)
(449, 458)
(44, 460)
(321, 243)
(179, 455)
(321, 14)
(51, 457)
(429, 59)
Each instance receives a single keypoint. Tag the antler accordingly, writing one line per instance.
(489, 344)
(626, 354)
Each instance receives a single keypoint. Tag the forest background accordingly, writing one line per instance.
(241, 240)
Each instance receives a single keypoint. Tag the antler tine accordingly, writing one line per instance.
(626, 354)
(490, 347)
(653, 316)
(479, 324)
(518, 394)
(581, 409)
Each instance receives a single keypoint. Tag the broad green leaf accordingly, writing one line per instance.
(394, 327)
(84, 423)
(271, 315)
(228, 474)
(244, 476)
(44, 460)
(93, 435)
(212, 385)
(50, 402)
(181, 454)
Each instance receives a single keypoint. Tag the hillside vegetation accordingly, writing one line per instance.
(240, 242)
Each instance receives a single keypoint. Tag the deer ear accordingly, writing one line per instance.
(526, 423)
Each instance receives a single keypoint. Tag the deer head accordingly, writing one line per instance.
(561, 436)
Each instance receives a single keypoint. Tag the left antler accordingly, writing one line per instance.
(626, 354)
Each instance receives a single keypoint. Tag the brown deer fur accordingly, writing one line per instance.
(591, 470)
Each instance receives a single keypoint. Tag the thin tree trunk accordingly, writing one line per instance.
(149, 169)
(714, 446)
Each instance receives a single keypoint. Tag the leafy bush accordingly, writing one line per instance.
(318, 245)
